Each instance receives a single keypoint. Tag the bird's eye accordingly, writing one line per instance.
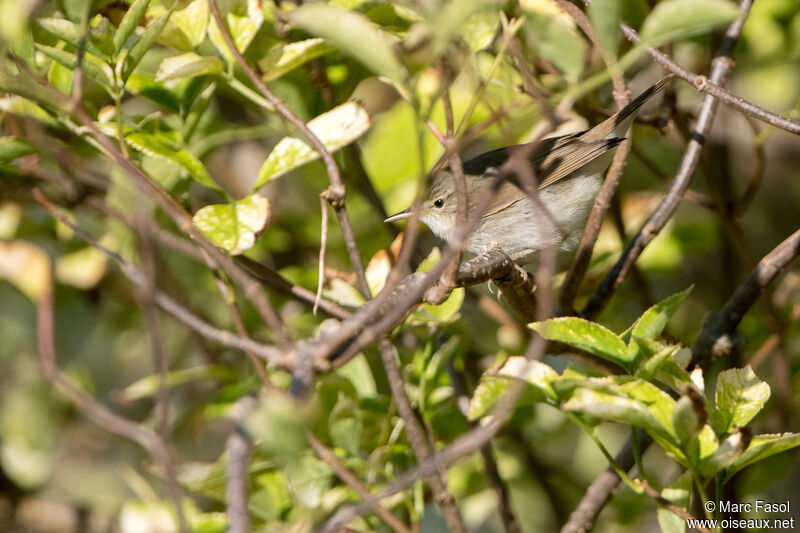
(438, 203)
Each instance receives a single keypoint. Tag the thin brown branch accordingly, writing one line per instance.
(720, 66)
(668, 505)
(714, 340)
(711, 85)
(353, 482)
(417, 439)
(335, 194)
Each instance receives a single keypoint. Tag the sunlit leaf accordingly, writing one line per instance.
(82, 269)
(739, 396)
(189, 64)
(26, 266)
(353, 34)
(70, 33)
(585, 335)
(193, 21)
(336, 128)
(234, 227)
(671, 20)
(614, 408)
(282, 58)
(243, 18)
(654, 320)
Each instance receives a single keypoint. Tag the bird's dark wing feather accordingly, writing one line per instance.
(552, 159)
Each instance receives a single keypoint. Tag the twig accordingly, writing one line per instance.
(711, 85)
(668, 505)
(335, 194)
(353, 482)
(239, 447)
(322, 245)
(719, 68)
(714, 340)
(417, 439)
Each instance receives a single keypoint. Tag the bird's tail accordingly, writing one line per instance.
(617, 125)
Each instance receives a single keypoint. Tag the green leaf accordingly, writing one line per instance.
(148, 386)
(309, 480)
(336, 128)
(151, 145)
(605, 17)
(144, 85)
(613, 407)
(728, 451)
(488, 391)
(586, 336)
(71, 33)
(16, 105)
(129, 23)
(94, 69)
(653, 321)
(234, 227)
(101, 35)
(687, 419)
(12, 148)
(761, 447)
(186, 65)
(192, 21)
(282, 58)
(344, 424)
(677, 492)
(556, 40)
(143, 45)
(535, 373)
(671, 20)
(243, 18)
(740, 395)
(479, 30)
(353, 34)
(654, 355)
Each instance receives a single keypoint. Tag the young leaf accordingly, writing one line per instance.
(243, 18)
(128, 24)
(587, 336)
(145, 42)
(189, 64)
(652, 323)
(677, 492)
(234, 227)
(535, 373)
(94, 69)
(761, 447)
(489, 389)
(353, 34)
(282, 58)
(740, 395)
(336, 128)
(653, 354)
(676, 19)
(148, 385)
(728, 451)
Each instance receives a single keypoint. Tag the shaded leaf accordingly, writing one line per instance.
(336, 128)
(282, 58)
(234, 227)
(677, 492)
(605, 17)
(146, 86)
(557, 41)
(189, 64)
(70, 33)
(12, 148)
(676, 19)
(148, 385)
(586, 336)
(739, 396)
(353, 34)
(344, 424)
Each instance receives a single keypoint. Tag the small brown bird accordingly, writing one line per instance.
(570, 170)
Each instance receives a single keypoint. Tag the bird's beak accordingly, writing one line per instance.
(406, 213)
